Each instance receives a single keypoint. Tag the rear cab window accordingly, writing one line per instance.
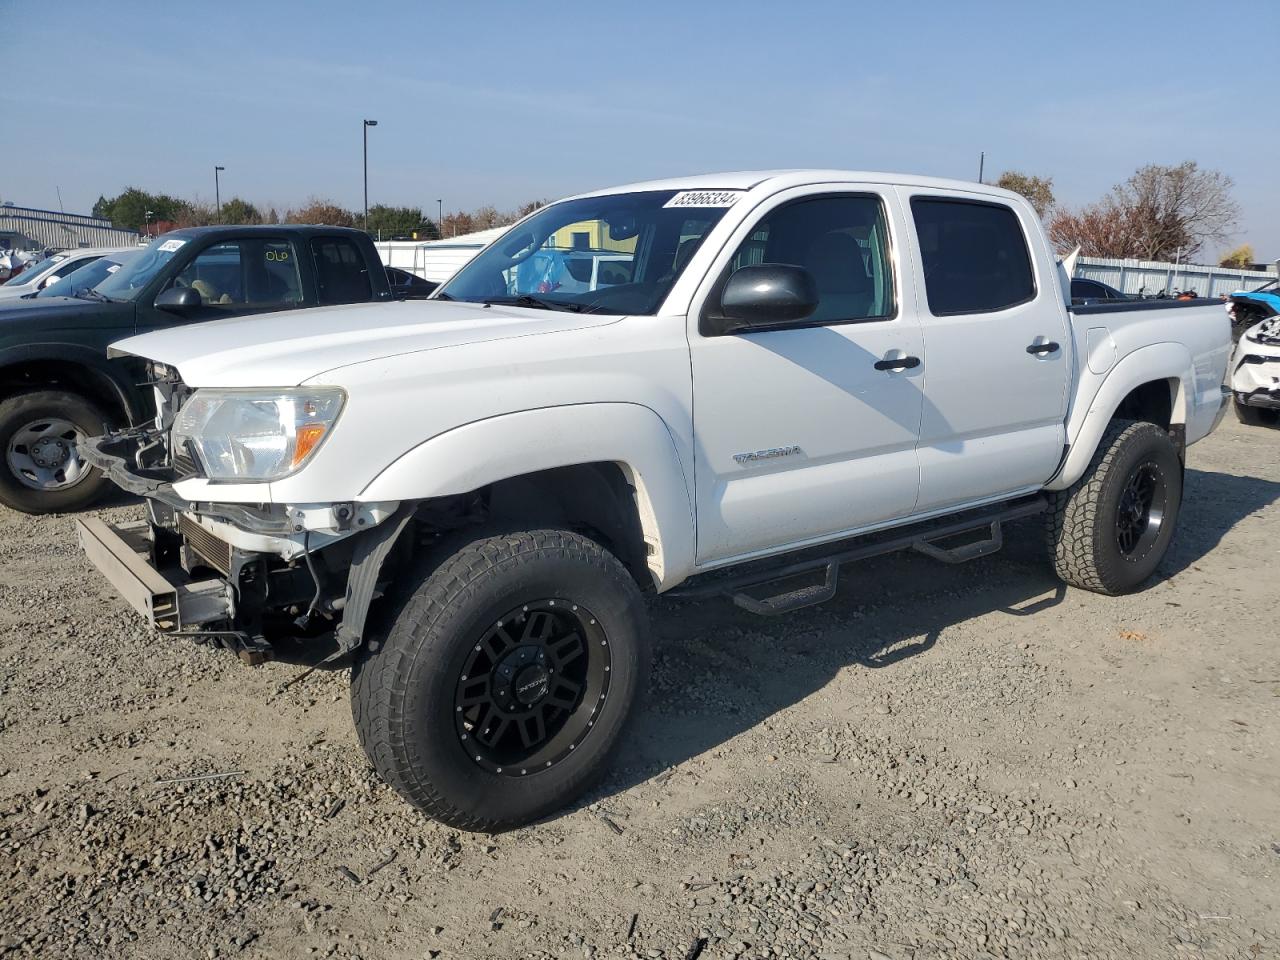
(974, 254)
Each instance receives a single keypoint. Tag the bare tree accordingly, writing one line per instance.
(1160, 213)
(1178, 208)
(1038, 190)
(1103, 229)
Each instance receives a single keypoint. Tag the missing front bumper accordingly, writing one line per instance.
(172, 605)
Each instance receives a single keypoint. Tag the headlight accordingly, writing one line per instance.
(255, 434)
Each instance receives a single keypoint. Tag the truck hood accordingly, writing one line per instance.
(50, 312)
(287, 349)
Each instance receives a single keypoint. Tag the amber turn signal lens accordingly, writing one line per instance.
(309, 434)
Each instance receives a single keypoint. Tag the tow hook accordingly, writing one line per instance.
(344, 513)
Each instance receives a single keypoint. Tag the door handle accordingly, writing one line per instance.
(900, 363)
(1040, 348)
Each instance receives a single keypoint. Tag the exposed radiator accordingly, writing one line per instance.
(212, 549)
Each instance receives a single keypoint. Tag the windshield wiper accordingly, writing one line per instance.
(528, 300)
(88, 293)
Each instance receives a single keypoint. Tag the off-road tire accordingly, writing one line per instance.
(1253, 416)
(22, 409)
(1081, 522)
(405, 678)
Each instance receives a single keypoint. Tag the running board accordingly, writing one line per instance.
(922, 541)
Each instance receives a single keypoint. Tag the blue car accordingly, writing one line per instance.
(1248, 307)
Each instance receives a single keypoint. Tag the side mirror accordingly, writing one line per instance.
(179, 300)
(48, 281)
(764, 295)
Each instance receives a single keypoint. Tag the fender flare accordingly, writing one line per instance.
(79, 355)
(630, 435)
(1159, 361)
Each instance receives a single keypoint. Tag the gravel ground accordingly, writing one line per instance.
(941, 762)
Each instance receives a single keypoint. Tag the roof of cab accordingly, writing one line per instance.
(233, 230)
(773, 180)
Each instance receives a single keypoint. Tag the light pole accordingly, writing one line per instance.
(439, 218)
(365, 128)
(217, 193)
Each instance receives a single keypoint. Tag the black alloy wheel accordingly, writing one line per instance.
(1140, 512)
(500, 682)
(531, 688)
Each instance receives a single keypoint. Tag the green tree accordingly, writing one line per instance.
(386, 222)
(239, 211)
(129, 208)
(1038, 190)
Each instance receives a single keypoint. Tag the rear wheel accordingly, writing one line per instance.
(40, 434)
(505, 682)
(1109, 531)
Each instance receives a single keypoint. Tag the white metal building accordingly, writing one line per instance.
(436, 260)
(29, 228)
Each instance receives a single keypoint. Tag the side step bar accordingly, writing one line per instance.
(922, 541)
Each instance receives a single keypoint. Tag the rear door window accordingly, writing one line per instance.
(341, 272)
(974, 254)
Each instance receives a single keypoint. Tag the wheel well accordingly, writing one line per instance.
(593, 499)
(1151, 402)
(66, 375)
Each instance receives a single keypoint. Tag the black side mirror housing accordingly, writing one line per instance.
(179, 300)
(764, 295)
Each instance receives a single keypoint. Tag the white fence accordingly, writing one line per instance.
(1149, 277)
(436, 260)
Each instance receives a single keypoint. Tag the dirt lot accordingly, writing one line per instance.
(942, 762)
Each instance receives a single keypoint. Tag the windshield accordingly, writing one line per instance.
(612, 254)
(33, 271)
(1269, 285)
(88, 276)
(127, 282)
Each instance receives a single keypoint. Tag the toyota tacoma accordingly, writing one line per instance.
(469, 496)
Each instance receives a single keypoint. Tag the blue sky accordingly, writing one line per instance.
(495, 102)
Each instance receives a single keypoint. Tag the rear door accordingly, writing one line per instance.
(342, 275)
(997, 380)
(799, 435)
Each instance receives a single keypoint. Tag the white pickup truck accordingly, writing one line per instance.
(470, 495)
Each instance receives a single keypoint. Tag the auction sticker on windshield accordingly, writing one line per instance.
(170, 245)
(704, 198)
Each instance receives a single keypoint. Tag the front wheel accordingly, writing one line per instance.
(506, 680)
(40, 434)
(1109, 531)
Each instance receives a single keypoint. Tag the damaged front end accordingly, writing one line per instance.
(1255, 377)
(244, 576)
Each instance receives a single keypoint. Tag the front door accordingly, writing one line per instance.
(235, 278)
(996, 333)
(809, 430)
